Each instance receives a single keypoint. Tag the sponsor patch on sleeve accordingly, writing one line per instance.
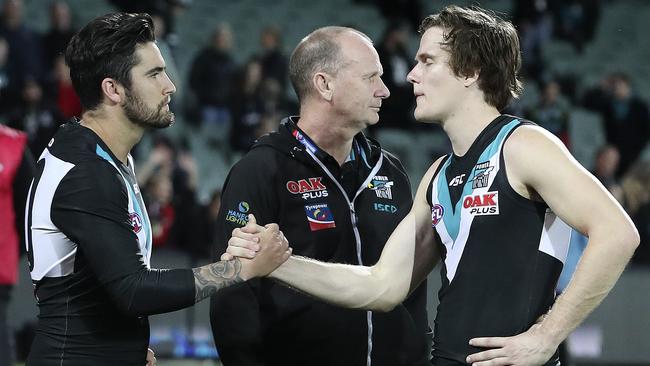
(239, 215)
(320, 217)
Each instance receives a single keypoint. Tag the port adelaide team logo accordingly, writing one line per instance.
(309, 188)
(239, 216)
(482, 175)
(382, 187)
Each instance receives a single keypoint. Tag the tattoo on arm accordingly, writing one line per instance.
(213, 277)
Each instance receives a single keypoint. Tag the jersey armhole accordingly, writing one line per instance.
(524, 202)
(433, 177)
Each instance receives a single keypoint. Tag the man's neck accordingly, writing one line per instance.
(328, 136)
(119, 134)
(464, 125)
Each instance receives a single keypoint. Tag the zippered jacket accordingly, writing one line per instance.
(328, 212)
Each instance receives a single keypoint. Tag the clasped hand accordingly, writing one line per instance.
(251, 241)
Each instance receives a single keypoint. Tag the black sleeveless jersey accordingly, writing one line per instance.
(86, 226)
(502, 253)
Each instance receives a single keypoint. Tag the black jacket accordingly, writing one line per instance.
(265, 323)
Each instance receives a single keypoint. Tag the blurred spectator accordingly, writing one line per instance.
(170, 178)
(636, 200)
(4, 75)
(534, 22)
(605, 167)
(626, 117)
(255, 101)
(61, 90)
(24, 47)
(409, 11)
(35, 115)
(160, 27)
(269, 123)
(576, 20)
(211, 76)
(16, 172)
(207, 225)
(396, 111)
(167, 9)
(552, 112)
(56, 39)
(274, 63)
(158, 195)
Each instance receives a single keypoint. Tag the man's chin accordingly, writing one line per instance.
(158, 124)
(423, 118)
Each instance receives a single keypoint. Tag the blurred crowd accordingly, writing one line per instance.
(238, 102)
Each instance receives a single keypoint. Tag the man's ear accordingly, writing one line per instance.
(324, 85)
(470, 79)
(113, 90)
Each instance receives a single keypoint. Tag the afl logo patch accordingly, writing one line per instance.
(136, 222)
(436, 214)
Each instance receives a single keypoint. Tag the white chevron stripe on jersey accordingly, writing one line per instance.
(556, 235)
(54, 253)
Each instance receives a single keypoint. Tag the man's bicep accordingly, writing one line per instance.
(414, 237)
(426, 248)
(542, 163)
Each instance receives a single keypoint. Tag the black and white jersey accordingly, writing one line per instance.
(502, 253)
(86, 226)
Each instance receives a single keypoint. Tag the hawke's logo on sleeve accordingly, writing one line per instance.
(136, 222)
(240, 215)
(309, 188)
(382, 187)
(320, 217)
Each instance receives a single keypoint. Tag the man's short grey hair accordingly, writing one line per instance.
(320, 51)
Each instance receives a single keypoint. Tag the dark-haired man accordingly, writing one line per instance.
(494, 210)
(88, 234)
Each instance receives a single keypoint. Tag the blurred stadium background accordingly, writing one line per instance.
(577, 55)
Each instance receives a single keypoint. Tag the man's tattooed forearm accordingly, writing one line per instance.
(213, 277)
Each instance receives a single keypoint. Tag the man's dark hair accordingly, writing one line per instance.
(480, 41)
(105, 48)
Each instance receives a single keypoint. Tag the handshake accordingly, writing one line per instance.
(261, 249)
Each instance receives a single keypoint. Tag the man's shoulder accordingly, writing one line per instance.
(74, 144)
(270, 153)
(264, 158)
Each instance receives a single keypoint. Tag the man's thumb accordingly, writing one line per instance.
(251, 220)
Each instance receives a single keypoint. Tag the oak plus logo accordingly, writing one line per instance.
(309, 188)
(482, 204)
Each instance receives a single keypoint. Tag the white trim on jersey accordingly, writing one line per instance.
(52, 251)
(455, 248)
(555, 238)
